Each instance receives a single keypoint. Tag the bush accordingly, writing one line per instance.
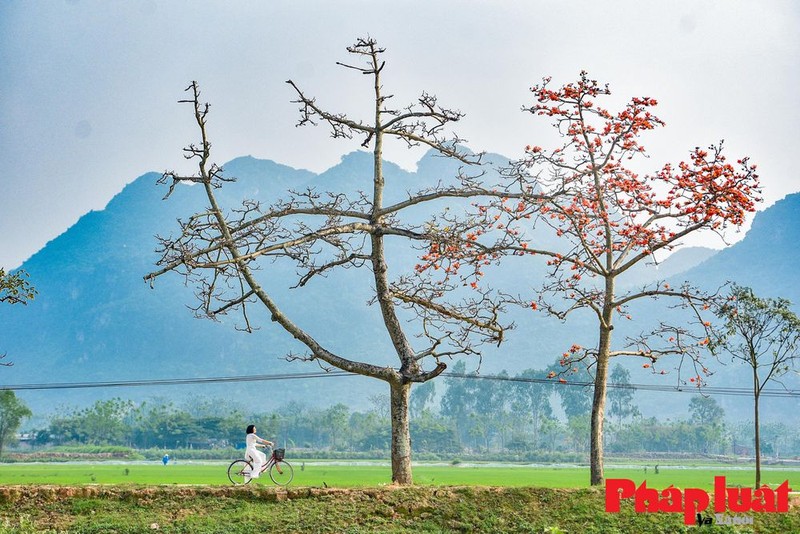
(70, 453)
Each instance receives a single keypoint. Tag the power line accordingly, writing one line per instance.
(172, 381)
(709, 390)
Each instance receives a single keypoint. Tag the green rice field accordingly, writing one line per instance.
(364, 474)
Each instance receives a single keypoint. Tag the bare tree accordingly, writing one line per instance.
(764, 334)
(225, 252)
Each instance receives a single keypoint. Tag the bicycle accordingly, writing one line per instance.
(280, 471)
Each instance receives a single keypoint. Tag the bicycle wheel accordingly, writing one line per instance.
(237, 470)
(281, 472)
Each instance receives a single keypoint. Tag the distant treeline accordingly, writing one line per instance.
(469, 417)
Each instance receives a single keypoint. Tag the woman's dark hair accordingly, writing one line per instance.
(251, 429)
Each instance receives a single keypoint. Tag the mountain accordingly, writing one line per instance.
(678, 262)
(766, 259)
(96, 320)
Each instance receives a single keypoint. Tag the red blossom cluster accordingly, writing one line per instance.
(567, 360)
(605, 207)
(709, 191)
(455, 253)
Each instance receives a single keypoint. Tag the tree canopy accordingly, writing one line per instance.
(764, 335)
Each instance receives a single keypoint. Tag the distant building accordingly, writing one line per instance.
(26, 440)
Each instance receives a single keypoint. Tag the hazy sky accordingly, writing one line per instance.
(88, 89)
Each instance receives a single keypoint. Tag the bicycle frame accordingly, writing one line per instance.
(280, 471)
(271, 460)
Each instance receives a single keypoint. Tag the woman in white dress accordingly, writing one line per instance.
(251, 453)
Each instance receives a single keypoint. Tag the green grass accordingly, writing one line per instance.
(197, 498)
(419, 509)
(319, 474)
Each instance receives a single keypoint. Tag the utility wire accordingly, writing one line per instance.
(172, 381)
(707, 390)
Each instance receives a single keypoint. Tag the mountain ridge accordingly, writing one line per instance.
(95, 319)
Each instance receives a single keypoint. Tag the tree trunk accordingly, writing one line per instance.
(401, 436)
(598, 414)
(597, 477)
(757, 442)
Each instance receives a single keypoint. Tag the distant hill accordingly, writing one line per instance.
(767, 259)
(96, 320)
(678, 262)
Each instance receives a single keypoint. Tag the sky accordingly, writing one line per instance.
(89, 89)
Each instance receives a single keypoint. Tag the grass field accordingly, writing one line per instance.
(333, 474)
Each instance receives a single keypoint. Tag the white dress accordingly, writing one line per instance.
(255, 456)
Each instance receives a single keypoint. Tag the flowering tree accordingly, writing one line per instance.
(607, 217)
(227, 254)
(764, 334)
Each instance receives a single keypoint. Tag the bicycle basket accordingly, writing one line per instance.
(279, 454)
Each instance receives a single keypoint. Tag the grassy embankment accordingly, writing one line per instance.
(197, 499)
(419, 509)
